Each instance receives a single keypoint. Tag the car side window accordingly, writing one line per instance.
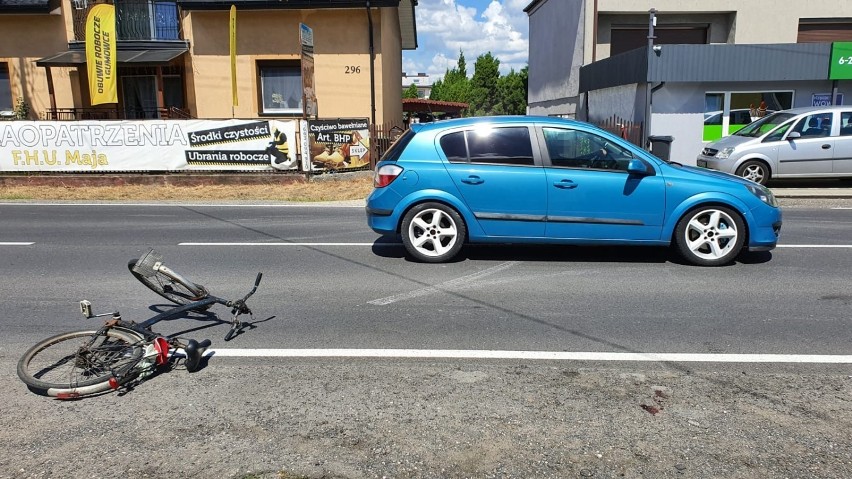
(814, 126)
(580, 149)
(504, 146)
(454, 147)
(846, 123)
(778, 133)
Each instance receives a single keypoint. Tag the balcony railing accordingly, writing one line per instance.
(70, 114)
(134, 19)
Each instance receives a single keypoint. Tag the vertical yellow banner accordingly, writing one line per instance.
(233, 35)
(100, 54)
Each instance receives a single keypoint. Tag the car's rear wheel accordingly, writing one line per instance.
(710, 235)
(433, 232)
(755, 171)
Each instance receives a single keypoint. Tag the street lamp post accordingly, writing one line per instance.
(652, 22)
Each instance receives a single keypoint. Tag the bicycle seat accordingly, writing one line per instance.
(194, 352)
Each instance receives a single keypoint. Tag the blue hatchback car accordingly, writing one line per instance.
(527, 179)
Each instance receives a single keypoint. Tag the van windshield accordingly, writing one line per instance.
(763, 125)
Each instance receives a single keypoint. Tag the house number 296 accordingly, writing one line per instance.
(353, 70)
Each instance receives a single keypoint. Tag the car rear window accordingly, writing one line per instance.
(505, 146)
(509, 146)
(454, 147)
(398, 146)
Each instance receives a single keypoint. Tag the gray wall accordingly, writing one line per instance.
(555, 56)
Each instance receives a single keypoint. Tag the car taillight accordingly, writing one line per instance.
(385, 175)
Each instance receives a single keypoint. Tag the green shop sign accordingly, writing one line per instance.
(841, 61)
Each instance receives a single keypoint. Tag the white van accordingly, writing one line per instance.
(814, 142)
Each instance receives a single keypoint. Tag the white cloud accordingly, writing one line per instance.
(444, 27)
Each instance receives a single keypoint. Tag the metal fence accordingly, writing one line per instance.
(71, 114)
(382, 137)
(629, 130)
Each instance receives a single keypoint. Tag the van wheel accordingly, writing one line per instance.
(710, 235)
(433, 232)
(755, 171)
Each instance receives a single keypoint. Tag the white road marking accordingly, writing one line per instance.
(445, 285)
(195, 205)
(814, 246)
(289, 244)
(530, 355)
(17, 243)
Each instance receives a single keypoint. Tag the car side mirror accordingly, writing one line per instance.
(793, 135)
(637, 167)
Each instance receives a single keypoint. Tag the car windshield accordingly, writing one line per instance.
(763, 125)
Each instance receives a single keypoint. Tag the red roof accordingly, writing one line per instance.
(419, 105)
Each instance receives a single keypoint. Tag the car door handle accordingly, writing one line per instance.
(473, 180)
(565, 184)
(825, 147)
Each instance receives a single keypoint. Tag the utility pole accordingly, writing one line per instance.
(646, 129)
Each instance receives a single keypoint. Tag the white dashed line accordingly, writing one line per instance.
(289, 244)
(17, 243)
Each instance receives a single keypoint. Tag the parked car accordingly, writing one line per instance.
(813, 142)
(551, 180)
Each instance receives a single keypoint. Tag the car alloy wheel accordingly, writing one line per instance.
(710, 236)
(433, 232)
(754, 171)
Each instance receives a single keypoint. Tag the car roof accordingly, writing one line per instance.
(497, 120)
(815, 109)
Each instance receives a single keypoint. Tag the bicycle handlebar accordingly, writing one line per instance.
(256, 284)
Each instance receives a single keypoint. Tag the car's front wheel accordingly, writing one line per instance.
(433, 232)
(710, 235)
(754, 170)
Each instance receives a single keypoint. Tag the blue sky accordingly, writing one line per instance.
(474, 26)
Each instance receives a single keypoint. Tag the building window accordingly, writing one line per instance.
(821, 31)
(727, 112)
(147, 20)
(624, 39)
(5, 89)
(280, 88)
(139, 91)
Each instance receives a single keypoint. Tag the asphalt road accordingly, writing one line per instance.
(330, 282)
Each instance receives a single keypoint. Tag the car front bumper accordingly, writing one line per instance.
(713, 163)
(764, 234)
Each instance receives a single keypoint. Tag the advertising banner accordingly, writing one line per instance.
(148, 145)
(338, 144)
(306, 39)
(101, 54)
(841, 61)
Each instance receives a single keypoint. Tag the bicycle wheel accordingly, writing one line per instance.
(80, 363)
(167, 287)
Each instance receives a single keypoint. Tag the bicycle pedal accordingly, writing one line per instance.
(86, 309)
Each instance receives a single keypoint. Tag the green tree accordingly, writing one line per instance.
(455, 86)
(484, 90)
(410, 92)
(513, 93)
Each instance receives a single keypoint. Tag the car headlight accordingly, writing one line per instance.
(725, 153)
(764, 194)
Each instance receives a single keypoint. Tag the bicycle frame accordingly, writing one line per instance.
(161, 346)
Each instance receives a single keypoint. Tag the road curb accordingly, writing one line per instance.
(175, 179)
